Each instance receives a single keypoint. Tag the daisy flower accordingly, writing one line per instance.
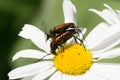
(76, 62)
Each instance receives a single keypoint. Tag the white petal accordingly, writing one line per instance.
(107, 47)
(35, 35)
(28, 78)
(65, 77)
(79, 77)
(89, 76)
(30, 70)
(30, 53)
(111, 14)
(70, 77)
(108, 14)
(45, 74)
(108, 37)
(114, 12)
(118, 11)
(57, 75)
(94, 35)
(108, 7)
(102, 15)
(113, 17)
(69, 11)
(109, 54)
(106, 71)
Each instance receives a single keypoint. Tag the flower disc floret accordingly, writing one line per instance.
(73, 60)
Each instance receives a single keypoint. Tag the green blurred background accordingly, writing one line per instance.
(15, 13)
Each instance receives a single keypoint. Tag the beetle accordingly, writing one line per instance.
(59, 29)
(61, 39)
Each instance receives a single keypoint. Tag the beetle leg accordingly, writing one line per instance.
(62, 47)
(75, 37)
(42, 57)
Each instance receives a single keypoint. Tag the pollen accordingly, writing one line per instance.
(73, 60)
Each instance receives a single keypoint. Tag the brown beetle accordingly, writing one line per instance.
(60, 39)
(59, 29)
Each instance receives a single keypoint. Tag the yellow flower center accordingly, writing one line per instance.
(73, 60)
